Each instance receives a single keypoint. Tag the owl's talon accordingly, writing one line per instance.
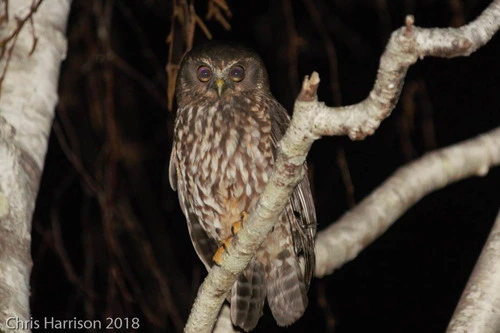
(236, 227)
(226, 243)
(217, 257)
(244, 216)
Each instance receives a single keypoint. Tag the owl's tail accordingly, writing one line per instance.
(248, 295)
(286, 290)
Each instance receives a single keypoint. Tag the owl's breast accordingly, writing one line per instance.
(225, 155)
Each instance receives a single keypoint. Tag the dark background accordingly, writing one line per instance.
(109, 239)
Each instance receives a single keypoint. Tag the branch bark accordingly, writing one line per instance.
(27, 101)
(479, 307)
(313, 119)
(343, 240)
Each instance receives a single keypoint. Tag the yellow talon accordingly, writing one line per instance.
(239, 224)
(235, 228)
(244, 216)
(217, 257)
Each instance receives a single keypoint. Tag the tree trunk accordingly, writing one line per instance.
(29, 69)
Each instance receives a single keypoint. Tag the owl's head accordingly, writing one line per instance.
(216, 70)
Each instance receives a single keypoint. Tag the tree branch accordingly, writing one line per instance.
(311, 120)
(356, 229)
(479, 307)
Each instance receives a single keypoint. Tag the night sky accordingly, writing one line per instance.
(109, 239)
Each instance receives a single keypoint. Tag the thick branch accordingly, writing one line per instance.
(311, 120)
(346, 238)
(405, 46)
(28, 99)
(479, 307)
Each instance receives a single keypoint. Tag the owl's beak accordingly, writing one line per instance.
(221, 86)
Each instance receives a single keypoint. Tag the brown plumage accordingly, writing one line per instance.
(226, 131)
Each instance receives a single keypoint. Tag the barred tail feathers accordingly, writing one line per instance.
(286, 290)
(247, 296)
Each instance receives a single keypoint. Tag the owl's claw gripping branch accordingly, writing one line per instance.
(225, 244)
(217, 258)
(239, 224)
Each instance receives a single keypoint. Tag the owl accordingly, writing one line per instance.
(226, 132)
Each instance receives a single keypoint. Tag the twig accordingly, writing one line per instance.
(180, 39)
(33, 33)
(141, 36)
(413, 113)
(346, 177)
(76, 161)
(142, 80)
(406, 121)
(133, 227)
(20, 22)
(330, 50)
(294, 44)
(214, 11)
(60, 250)
(427, 121)
(457, 8)
(13, 37)
(5, 17)
(325, 306)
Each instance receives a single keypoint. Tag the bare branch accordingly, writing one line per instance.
(479, 307)
(311, 120)
(406, 45)
(294, 43)
(346, 238)
(215, 9)
(330, 49)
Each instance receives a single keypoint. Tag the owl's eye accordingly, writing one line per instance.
(237, 73)
(204, 73)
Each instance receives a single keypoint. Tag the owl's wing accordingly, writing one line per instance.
(302, 215)
(204, 245)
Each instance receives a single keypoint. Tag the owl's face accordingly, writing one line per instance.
(220, 72)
